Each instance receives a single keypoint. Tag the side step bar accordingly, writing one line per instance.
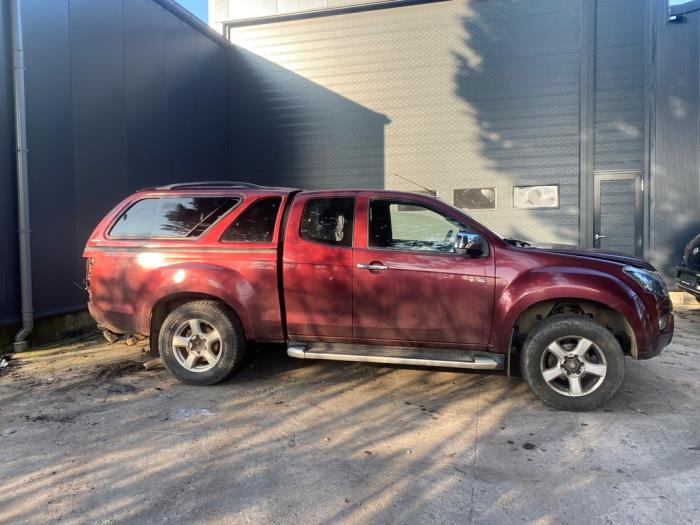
(398, 355)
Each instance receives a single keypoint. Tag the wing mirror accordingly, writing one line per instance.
(471, 244)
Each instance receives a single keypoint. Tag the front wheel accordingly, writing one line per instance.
(571, 362)
(201, 342)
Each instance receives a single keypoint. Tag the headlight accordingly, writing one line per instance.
(650, 281)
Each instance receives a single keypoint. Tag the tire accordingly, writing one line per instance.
(567, 373)
(201, 342)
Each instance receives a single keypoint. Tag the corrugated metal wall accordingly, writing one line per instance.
(619, 123)
(486, 94)
(475, 94)
(675, 160)
(8, 216)
(619, 85)
(121, 94)
(292, 131)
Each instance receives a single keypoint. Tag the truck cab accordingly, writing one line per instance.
(367, 275)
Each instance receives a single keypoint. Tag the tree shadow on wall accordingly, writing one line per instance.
(518, 73)
(287, 130)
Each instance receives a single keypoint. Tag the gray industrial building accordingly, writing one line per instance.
(548, 120)
(568, 121)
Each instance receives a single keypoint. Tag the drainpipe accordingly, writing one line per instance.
(25, 260)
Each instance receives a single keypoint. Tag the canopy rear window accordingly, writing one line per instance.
(171, 217)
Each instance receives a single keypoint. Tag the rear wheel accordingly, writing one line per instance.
(201, 342)
(572, 362)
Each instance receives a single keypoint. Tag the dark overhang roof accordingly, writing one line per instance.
(191, 20)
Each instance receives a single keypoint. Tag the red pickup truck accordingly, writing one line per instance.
(367, 275)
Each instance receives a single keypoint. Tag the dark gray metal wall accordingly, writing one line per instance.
(121, 94)
(619, 85)
(9, 295)
(619, 124)
(291, 131)
(675, 151)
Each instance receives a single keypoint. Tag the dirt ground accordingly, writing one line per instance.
(88, 436)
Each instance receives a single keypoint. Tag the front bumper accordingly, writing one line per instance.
(656, 324)
(659, 342)
(688, 280)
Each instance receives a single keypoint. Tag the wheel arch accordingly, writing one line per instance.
(604, 314)
(548, 291)
(167, 303)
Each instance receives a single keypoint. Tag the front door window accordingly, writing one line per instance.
(409, 226)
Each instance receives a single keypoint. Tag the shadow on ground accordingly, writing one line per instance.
(88, 436)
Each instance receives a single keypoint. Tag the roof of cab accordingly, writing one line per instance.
(225, 185)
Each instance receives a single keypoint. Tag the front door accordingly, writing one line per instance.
(410, 285)
(617, 220)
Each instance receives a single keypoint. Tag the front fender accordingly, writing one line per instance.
(551, 283)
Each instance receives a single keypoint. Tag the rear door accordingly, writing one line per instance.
(410, 285)
(317, 266)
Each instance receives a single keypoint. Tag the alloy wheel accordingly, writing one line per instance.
(573, 366)
(196, 345)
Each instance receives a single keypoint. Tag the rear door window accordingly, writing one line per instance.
(256, 223)
(328, 220)
(171, 217)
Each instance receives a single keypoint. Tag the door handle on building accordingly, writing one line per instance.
(598, 236)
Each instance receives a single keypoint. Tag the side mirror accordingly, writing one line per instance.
(471, 244)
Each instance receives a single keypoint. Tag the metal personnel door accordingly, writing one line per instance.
(617, 219)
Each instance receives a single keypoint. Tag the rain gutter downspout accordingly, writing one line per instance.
(25, 260)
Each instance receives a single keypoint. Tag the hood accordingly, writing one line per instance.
(594, 253)
(691, 254)
(694, 243)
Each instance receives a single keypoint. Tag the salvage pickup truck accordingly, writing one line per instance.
(367, 275)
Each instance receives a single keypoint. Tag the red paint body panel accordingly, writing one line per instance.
(441, 299)
(421, 297)
(129, 277)
(527, 277)
(317, 281)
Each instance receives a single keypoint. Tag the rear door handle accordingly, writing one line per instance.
(373, 267)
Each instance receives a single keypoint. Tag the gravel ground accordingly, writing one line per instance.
(88, 436)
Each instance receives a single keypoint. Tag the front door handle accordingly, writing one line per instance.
(373, 267)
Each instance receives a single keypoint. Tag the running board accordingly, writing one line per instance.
(398, 355)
